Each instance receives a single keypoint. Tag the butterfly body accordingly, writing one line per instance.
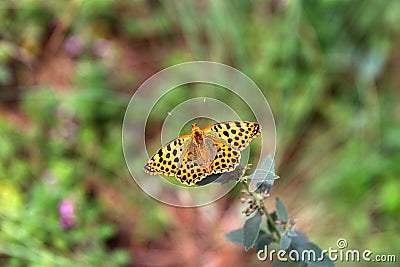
(204, 149)
(212, 150)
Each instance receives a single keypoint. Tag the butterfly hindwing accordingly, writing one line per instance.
(190, 171)
(225, 160)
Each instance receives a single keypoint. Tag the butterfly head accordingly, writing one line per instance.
(197, 133)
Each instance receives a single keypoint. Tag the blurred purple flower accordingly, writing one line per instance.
(74, 45)
(67, 213)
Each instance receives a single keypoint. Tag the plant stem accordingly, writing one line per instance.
(269, 218)
(260, 203)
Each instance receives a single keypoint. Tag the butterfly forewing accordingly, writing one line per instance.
(168, 159)
(235, 134)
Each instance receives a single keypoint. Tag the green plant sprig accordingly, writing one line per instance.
(279, 230)
(259, 199)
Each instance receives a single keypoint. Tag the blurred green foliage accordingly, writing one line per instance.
(326, 67)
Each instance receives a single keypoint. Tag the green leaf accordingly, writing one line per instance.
(280, 229)
(299, 238)
(263, 177)
(274, 216)
(281, 211)
(285, 242)
(270, 226)
(235, 236)
(263, 240)
(251, 230)
(292, 233)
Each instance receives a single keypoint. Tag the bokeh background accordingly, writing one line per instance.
(329, 69)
